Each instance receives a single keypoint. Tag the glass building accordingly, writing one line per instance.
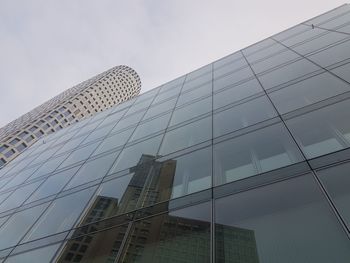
(244, 160)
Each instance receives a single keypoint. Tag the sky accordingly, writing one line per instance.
(48, 46)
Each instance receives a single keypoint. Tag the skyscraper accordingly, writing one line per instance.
(244, 160)
(109, 88)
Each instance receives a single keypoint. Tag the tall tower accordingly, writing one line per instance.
(111, 87)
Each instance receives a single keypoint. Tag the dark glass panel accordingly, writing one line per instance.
(289, 221)
(179, 236)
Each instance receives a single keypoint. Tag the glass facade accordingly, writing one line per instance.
(244, 160)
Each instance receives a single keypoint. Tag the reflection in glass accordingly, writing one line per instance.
(256, 152)
(178, 236)
(322, 131)
(44, 254)
(289, 221)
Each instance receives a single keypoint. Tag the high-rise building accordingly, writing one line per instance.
(244, 160)
(101, 92)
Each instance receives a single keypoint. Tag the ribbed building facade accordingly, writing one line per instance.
(244, 160)
(83, 100)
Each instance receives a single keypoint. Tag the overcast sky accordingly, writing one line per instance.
(48, 46)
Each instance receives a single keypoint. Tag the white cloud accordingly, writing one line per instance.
(49, 46)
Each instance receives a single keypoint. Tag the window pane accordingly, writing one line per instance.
(93, 170)
(99, 247)
(343, 72)
(228, 68)
(322, 131)
(20, 178)
(256, 152)
(204, 90)
(53, 184)
(160, 108)
(61, 215)
(126, 122)
(45, 254)
(287, 73)
(197, 82)
(243, 115)
(183, 234)
(167, 95)
(237, 93)
(186, 136)
(337, 183)
(307, 92)
(79, 154)
(150, 127)
(191, 111)
(18, 225)
(289, 221)
(233, 78)
(136, 154)
(114, 141)
(49, 166)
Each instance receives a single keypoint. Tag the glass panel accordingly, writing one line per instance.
(186, 136)
(258, 46)
(114, 141)
(18, 225)
(101, 247)
(336, 180)
(61, 215)
(191, 111)
(266, 52)
(332, 55)
(343, 72)
(199, 72)
(113, 118)
(160, 108)
(233, 78)
(230, 68)
(243, 115)
(53, 184)
(329, 15)
(307, 92)
(71, 144)
(256, 152)
(93, 170)
(183, 235)
(289, 221)
(274, 61)
(45, 254)
(138, 106)
(228, 59)
(99, 133)
(48, 167)
(167, 95)
(151, 127)
(79, 154)
(130, 120)
(197, 82)
(322, 131)
(287, 73)
(204, 90)
(136, 154)
(237, 93)
(18, 197)
(20, 177)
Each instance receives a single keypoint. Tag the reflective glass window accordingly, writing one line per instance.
(336, 180)
(114, 141)
(168, 94)
(243, 115)
(289, 221)
(332, 55)
(232, 78)
(183, 234)
(139, 106)
(228, 59)
(160, 108)
(61, 215)
(322, 131)
(48, 167)
(150, 127)
(287, 73)
(53, 184)
(203, 90)
(197, 82)
(71, 144)
(18, 224)
(307, 92)
(45, 254)
(191, 111)
(126, 122)
(92, 170)
(343, 72)
(237, 93)
(80, 154)
(186, 136)
(20, 177)
(231, 67)
(99, 133)
(256, 152)
(266, 52)
(18, 196)
(137, 153)
(199, 72)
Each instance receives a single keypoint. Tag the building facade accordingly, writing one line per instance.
(244, 160)
(101, 92)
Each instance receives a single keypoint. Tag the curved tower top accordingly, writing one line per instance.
(101, 92)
